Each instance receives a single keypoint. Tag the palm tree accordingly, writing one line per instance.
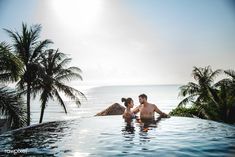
(231, 115)
(224, 97)
(215, 101)
(53, 77)
(198, 92)
(11, 104)
(28, 48)
(212, 101)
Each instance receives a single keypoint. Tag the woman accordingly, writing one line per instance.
(128, 102)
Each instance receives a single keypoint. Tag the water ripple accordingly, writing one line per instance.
(111, 136)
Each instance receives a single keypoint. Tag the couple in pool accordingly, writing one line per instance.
(146, 109)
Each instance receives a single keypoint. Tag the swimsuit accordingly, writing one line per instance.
(133, 116)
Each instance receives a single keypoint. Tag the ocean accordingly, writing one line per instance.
(99, 98)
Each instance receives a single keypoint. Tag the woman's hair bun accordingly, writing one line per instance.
(123, 99)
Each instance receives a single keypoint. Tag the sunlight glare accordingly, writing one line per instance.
(79, 14)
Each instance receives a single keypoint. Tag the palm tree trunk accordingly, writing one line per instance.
(28, 103)
(42, 111)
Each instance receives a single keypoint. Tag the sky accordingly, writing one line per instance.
(129, 42)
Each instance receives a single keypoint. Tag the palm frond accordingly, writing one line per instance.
(11, 66)
(72, 93)
(190, 88)
(39, 49)
(214, 74)
(225, 81)
(230, 73)
(60, 100)
(12, 106)
(68, 74)
(188, 99)
(214, 96)
(197, 73)
(64, 62)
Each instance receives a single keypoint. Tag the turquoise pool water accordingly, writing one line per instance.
(111, 136)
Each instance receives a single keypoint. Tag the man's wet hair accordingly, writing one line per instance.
(143, 96)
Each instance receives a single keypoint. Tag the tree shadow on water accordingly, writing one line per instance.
(37, 140)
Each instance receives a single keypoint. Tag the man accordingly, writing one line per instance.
(146, 109)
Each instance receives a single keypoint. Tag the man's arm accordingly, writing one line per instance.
(157, 110)
(136, 110)
(162, 114)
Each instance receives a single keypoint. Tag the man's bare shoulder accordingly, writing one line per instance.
(153, 105)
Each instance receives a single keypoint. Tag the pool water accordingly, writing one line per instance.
(111, 136)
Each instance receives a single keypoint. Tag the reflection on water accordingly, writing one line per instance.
(144, 124)
(129, 127)
(111, 136)
(35, 140)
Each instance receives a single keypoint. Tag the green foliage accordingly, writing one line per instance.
(27, 46)
(12, 107)
(10, 64)
(53, 77)
(11, 104)
(214, 101)
(184, 112)
(37, 70)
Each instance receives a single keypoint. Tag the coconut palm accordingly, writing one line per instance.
(11, 104)
(231, 115)
(28, 48)
(197, 93)
(224, 97)
(52, 81)
(211, 101)
(12, 107)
